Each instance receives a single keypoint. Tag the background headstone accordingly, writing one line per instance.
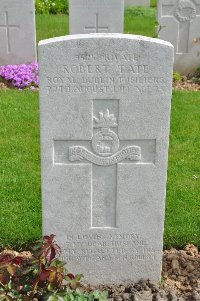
(105, 117)
(96, 16)
(17, 32)
(136, 3)
(179, 21)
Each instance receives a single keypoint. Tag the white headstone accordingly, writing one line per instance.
(105, 116)
(96, 16)
(136, 3)
(179, 21)
(17, 32)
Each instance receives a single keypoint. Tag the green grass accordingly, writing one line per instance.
(140, 21)
(20, 221)
(183, 188)
(20, 210)
(49, 26)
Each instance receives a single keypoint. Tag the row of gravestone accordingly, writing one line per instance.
(179, 24)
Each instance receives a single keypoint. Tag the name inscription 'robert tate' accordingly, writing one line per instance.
(96, 69)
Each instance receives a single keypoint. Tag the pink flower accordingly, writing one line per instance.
(21, 76)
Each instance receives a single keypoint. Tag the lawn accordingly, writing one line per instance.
(20, 211)
(183, 187)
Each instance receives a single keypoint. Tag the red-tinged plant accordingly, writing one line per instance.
(40, 275)
(49, 248)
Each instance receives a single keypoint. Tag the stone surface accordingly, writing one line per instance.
(96, 16)
(179, 21)
(136, 3)
(17, 32)
(105, 115)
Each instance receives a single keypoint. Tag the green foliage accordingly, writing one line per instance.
(196, 80)
(51, 6)
(176, 76)
(196, 76)
(197, 73)
(43, 276)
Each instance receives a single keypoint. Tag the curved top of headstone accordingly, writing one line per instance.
(105, 36)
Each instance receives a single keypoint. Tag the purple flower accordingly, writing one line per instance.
(21, 76)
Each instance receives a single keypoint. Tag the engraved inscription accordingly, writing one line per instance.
(115, 72)
(77, 153)
(107, 247)
(8, 27)
(184, 12)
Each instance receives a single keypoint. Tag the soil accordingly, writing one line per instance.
(180, 279)
(3, 86)
(185, 85)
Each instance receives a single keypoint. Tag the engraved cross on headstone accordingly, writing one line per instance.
(8, 27)
(97, 28)
(185, 11)
(104, 152)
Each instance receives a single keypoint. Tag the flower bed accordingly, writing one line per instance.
(20, 76)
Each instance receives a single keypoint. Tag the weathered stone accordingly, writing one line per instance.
(105, 115)
(179, 23)
(17, 32)
(136, 3)
(96, 16)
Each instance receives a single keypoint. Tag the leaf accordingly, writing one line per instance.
(26, 288)
(53, 298)
(44, 275)
(78, 277)
(4, 277)
(101, 296)
(27, 270)
(52, 277)
(9, 298)
(70, 276)
(17, 261)
(58, 263)
(2, 296)
(49, 239)
(35, 284)
(50, 249)
(5, 260)
(11, 269)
